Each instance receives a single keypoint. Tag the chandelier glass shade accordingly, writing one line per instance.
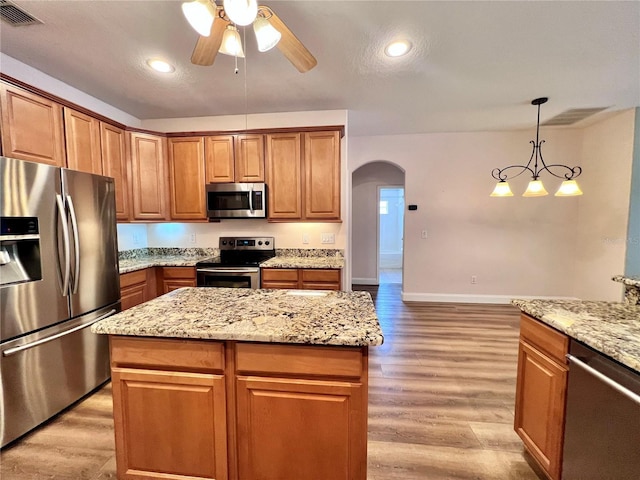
(200, 14)
(569, 186)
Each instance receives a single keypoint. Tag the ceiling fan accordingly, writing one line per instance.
(217, 26)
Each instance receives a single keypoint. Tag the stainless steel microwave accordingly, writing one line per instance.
(236, 200)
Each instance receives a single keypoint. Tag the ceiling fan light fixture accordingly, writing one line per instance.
(241, 12)
(266, 35)
(397, 48)
(200, 14)
(231, 43)
(160, 65)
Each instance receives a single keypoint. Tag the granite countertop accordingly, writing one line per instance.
(631, 281)
(278, 316)
(133, 264)
(611, 328)
(303, 262)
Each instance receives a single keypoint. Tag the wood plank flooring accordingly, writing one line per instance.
(441, 394)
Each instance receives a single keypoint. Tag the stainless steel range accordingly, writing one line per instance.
(238, 265)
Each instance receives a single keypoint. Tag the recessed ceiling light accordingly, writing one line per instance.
(398, 48)
(160, 65)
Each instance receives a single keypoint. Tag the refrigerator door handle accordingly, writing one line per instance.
(27, 346)
(65, 239)
(76, 244)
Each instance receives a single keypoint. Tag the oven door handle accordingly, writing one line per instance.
(229, 270)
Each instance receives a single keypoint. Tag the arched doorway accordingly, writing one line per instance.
(377, 200)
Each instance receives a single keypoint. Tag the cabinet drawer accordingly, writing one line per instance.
(179, 355)
(179, 272)
(280, 274)
(133, 278)
(299, 360)
(545, 338)
(321, 275)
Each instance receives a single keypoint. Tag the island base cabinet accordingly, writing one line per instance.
(541, 393)
(291, 429)
(169, 425)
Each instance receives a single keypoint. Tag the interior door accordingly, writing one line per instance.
(94, 261)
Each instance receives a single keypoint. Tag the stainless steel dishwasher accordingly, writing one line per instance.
(602, 426)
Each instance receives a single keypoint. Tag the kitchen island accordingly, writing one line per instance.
(236, 383)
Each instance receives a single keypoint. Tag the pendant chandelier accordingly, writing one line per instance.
(569, 186)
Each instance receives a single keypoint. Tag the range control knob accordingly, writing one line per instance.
(231, 243)
(259, 242)
(267, 242)
(224, 242)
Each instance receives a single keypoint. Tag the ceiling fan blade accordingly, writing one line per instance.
(207, 47)
(290, 46)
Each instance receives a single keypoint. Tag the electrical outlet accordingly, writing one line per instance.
(423, 234)
(192, 238)
(328, 238)
(305, 238)
(474, 279)
(136, 239)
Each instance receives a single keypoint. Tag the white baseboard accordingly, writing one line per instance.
(462, 298)
(364, 281)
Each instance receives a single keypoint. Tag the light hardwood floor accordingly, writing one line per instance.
(441, 395)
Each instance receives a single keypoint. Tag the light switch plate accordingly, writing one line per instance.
(305, 238)
(328, 238)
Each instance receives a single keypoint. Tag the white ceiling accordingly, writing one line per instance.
(475, 65)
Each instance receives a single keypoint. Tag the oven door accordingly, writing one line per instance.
(229, 277)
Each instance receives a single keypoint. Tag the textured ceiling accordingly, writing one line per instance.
(475, 65)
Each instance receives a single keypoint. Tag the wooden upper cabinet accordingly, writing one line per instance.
(82, 138)
(32, 127)
(283, 165)
(187, 178)
(322, 175)
(219, 159)
(249, 158)
(148, 176)
(114, 164)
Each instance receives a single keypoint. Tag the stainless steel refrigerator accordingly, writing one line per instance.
(58, 275)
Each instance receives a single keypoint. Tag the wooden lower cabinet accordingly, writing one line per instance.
(541, 393)
(172, 278)
(137, 287)
(187, 409)
(314, 423)
(302, 278)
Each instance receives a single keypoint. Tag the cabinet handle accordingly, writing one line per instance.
(602, 377)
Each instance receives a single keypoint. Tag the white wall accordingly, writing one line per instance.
(25, 73)
(132, 236)
(603, 210)
(287, 235)
(364, 218)
(514, 246)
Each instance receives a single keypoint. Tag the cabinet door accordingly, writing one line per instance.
(320, 279)
(31, 127)
(82, 138)
(280, 278)
(148, 175)
(249, 150)
(169, 424)
(320, 427)
(133, 287)
(177, 277)
(186, 178)
(219, 159)
(540, 403)
(114, 164)
(283, 164)
(322, 175)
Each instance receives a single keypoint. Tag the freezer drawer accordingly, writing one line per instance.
(39, 381)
